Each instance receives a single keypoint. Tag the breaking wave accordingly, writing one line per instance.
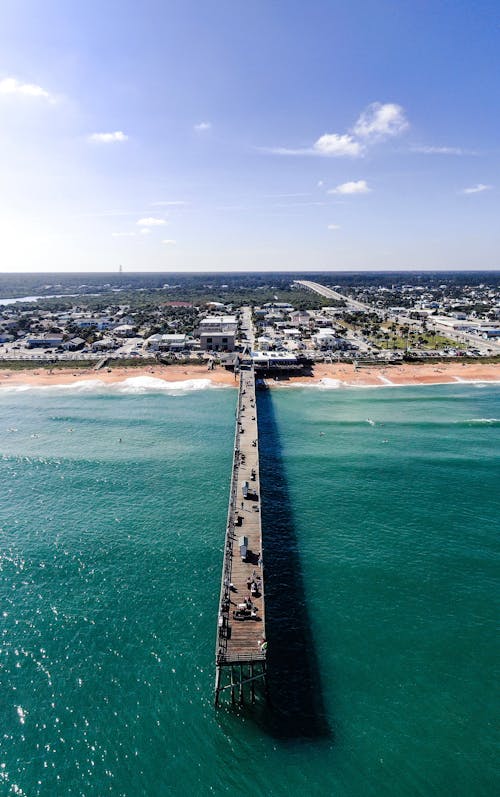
(134, 384)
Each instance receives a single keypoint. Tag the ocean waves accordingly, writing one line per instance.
(132, 385)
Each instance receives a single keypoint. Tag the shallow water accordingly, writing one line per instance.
(381, 525)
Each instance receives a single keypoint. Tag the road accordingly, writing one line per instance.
(465, 340)
(247, 328)
(330, 294)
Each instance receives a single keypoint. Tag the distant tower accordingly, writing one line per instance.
(120, 269)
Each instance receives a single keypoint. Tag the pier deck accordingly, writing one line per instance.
(239, 641)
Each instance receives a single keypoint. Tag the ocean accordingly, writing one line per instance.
(380, 517)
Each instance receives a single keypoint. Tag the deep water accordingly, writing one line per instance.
(380, 515)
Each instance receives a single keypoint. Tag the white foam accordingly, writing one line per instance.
(330, 384)
(82, 385)
(385, 380)
(144, 384)
(132, 385)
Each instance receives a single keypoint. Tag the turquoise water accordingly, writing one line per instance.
(381, 521)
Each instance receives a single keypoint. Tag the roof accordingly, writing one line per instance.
(218, 319)
(272, 356)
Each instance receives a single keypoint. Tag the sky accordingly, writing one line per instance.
(222, 135)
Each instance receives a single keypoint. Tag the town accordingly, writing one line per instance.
(369, 319)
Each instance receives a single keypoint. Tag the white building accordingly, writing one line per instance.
(125, 331)
(168, 342)
(328, 339)
(218, 324)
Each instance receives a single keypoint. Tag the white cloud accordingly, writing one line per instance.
(108, 138)
(329, 145)
(381, 121)
(334, 226)
(332, 144)
(169, 241)
(145, 231)
(439, 150)
(377, 122)
(352, 187)
(477, 189)
(122, 234)
(150, 221)
(201, 127)
(320, 184)
(11, 85)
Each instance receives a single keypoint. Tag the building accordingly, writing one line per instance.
(46, 340)
(217, 341)
(490, 332)
(125, 331)
(327, 339)
(105, 344)
(275, 361)
(218, 333)
(74, 344)
(218, 324)
(168, 342)
(300, 318)
(99, 323)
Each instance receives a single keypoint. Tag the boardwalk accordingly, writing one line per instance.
(240, 652)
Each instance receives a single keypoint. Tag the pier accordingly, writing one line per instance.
(241, 636)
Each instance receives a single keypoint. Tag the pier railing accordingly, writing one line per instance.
(225, 590)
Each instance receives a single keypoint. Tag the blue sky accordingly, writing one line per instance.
(263, 135)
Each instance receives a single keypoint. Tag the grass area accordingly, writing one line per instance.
(132, 362)
(32, 365)
(425, 341)
(492, 360)
(74, 365)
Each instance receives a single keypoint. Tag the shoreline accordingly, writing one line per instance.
(324, 375)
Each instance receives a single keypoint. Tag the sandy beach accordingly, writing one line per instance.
(344, 373)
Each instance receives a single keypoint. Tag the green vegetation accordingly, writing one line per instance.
(33, 365)
(415, 340)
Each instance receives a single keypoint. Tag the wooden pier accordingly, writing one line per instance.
(241, 636)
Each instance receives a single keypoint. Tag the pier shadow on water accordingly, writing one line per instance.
(296, 701)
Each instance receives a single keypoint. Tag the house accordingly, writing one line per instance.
(105, 344)
(99, 323)
(273, 316)
(74, 344)
(328, 339)
(299, 318)
(125, 331)
(168, 342)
